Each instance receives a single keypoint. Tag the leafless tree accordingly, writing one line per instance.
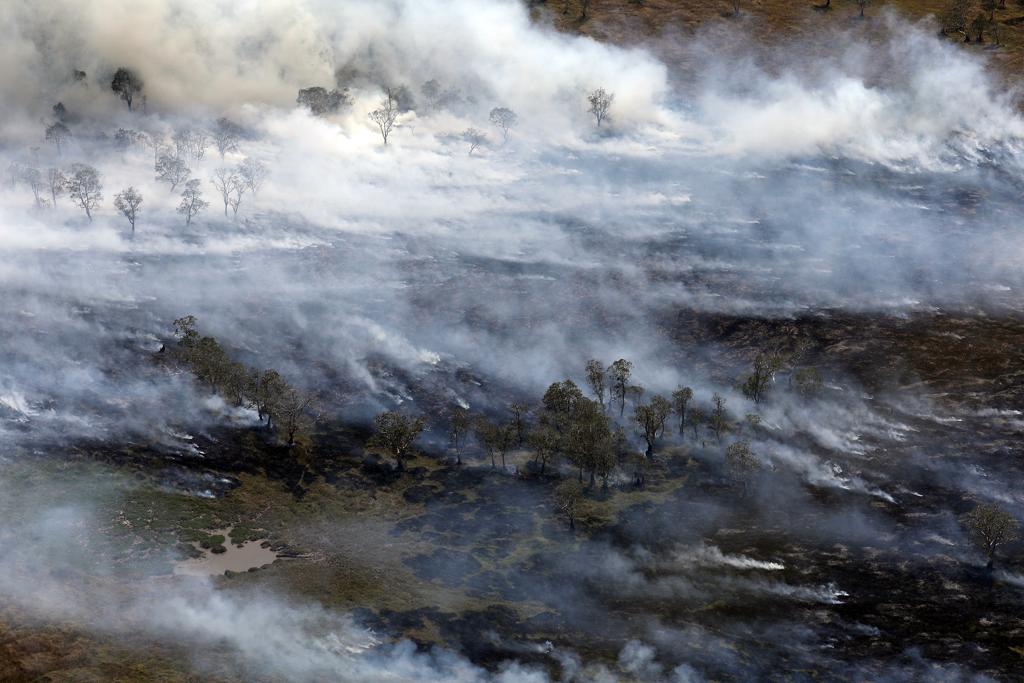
(57, 182)
(191, 143)
(238, 189)
(386, 115)
(600, 105)
(34, 179)
(253, 173)
(128, 202)
(172, 170)
(85, 188)
(474, 138)
(226, 180)
(192, 201)
(156, 142)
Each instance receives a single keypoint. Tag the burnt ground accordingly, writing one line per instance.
(866, 585)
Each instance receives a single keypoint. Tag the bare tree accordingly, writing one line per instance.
(600, 105)
(190, 142)
(192, 201)
(226, 134)
(253, 173)
(474, 138)
(34, 179)
(385, 115)
(127, 84)
(226, 180)
(172, 170)
(84, 188)
(990, 527)
(128, 202)
(57, 182)
(505, 119)
(238, 189)
(156, 142)
(58, 134)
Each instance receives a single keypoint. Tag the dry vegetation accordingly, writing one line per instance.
(675, 28)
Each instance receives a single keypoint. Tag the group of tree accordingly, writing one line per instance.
(231, 183)
(82, 184)
(286, 408)
(322, 102)
(972, 19)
